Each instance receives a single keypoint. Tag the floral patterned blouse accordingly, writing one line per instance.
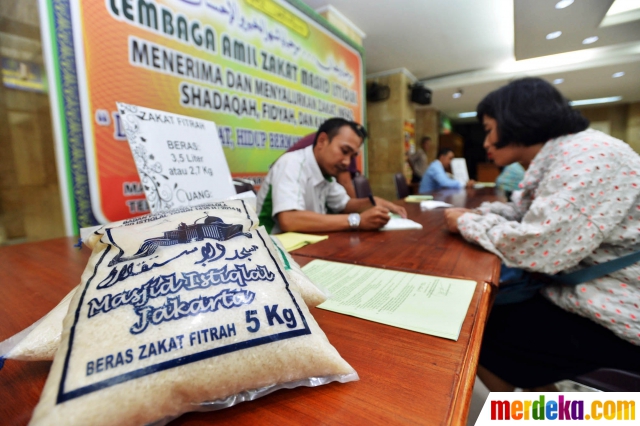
(579, 206)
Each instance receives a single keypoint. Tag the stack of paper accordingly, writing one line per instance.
(293, 240)
(397, 223)
(422, 303)
(479, 185)
(430, 205)
(417, 198)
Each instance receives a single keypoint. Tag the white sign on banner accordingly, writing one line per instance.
(179, 159)
(459, 170)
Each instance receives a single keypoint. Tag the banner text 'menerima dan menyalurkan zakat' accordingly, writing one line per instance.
(265, 72)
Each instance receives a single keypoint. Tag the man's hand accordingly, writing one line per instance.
(374, 218)
(470, 183)
(393, 208)
(452, 215)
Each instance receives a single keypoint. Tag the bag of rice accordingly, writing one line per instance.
(40, 341)
(237, 212)
(312, 293)
(173, 313)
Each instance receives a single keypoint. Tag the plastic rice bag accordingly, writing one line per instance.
(312, 293)
(40, 341)
(178, 314)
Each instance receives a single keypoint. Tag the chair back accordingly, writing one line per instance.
(402, 189)
(362, 187)
(243, 185)
(611, 380)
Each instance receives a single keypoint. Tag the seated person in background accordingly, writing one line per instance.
(301, 187)
(344, 178)
(419, 161)
(579, 206)
(436, 178)
(510, 177)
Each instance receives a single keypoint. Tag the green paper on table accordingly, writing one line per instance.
(294, 240)
(479, 185)
(417, 198)
(422, 303)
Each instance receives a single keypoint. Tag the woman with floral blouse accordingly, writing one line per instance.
(579, 206)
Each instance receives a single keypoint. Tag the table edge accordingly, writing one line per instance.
(464, 389)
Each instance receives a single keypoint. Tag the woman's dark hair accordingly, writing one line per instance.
(529, 111)
(333, 125)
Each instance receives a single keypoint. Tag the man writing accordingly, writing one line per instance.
(343, 178)
(301, 187)
(436, 178)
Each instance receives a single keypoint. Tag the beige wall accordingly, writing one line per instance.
(623, 121)
(385, 123)
(633, 126)
(428, 124)
(29, 196)
(30, 207)
(615, 115)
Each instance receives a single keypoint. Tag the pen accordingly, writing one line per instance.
(373, 202)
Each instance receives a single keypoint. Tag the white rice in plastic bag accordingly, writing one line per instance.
(40, 341)
(179, 311)
(312, 293)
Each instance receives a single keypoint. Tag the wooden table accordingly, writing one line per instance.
(405, 377)
(432, 250)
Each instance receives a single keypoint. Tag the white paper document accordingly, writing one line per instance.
(422, 303)
(432, 204)
(459, 170)
(399, 224)
(179, 159)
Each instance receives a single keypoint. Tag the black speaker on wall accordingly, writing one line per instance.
(377, 92)
(420, 94)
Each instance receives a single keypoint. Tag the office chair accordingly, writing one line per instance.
(611, 380)
(362, 187)
(402, 189)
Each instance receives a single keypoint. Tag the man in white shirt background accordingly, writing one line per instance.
(300, 189)
(419, 161)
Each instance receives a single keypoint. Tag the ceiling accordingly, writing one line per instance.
(470, 45)
(479, 45)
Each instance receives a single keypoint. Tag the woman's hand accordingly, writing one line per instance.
(452, 215)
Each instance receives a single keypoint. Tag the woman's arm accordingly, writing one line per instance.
(560, 228)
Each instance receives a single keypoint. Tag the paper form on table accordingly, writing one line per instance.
(422, 303)
(294, 240)
(398, 223)
(430, 205)
(417, 198)
(479, 185)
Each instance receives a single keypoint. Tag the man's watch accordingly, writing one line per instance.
(354, 220)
